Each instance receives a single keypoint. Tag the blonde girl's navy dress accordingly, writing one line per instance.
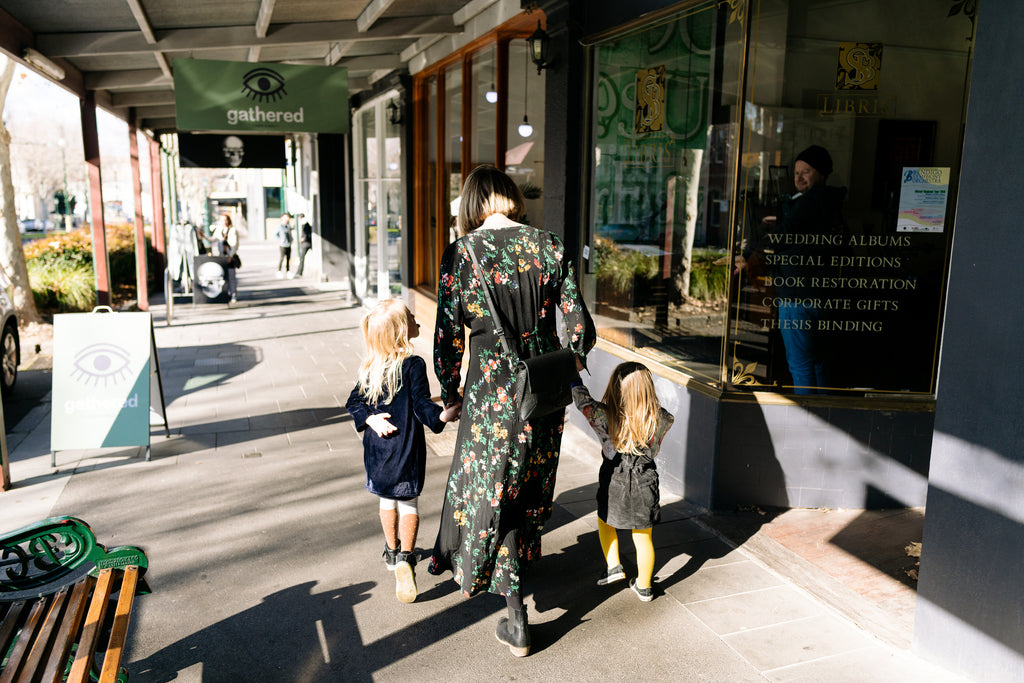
(396, 464)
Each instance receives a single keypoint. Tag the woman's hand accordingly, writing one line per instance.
(451, 412)
(378, 422)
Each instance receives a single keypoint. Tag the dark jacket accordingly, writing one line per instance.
(810, 230)
(395, 464)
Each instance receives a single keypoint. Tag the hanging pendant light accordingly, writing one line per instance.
(492, 95)
(525, 129)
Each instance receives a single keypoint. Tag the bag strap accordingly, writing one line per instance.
(498, 329)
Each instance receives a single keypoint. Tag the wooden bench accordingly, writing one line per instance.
(65, 602)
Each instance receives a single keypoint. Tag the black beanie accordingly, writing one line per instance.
(818, 158)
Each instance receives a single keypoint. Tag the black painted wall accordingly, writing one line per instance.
(335, 216)
(970, 610)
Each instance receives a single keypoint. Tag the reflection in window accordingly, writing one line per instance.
(847, 173)
(663, 141)
(453, 135)
(524, 152)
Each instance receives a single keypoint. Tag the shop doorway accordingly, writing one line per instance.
(378, 201)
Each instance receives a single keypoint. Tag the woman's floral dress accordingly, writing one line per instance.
(502, 478)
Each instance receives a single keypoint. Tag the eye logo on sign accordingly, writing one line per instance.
(263, 85)
(101, 363)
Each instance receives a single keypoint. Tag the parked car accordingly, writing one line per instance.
(10, 343)
(35, 225)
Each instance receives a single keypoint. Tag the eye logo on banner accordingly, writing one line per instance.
(102, 362)
(263, 85)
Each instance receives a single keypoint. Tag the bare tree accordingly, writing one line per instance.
(12, 255)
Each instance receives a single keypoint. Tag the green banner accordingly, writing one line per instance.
(252, 96)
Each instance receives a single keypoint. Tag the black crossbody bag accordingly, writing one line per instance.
(543, 383)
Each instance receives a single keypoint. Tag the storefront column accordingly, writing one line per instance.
(141, 273)
(91, 147)
(968, 614)
(156, 185)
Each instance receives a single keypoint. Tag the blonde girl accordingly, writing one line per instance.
(392, 398)
(631, 424)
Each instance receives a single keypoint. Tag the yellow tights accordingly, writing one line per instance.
(643, 543)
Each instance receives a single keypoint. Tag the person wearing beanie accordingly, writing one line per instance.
(795, 253)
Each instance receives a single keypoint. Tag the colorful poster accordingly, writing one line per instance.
(923, 195)
(101, 380)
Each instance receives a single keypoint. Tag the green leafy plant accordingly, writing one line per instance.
(620, 267)
(709, 275)
(61, 269)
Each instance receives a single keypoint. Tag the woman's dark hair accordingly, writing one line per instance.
(488, 191)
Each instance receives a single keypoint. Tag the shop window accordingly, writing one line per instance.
(710, 256)
(468, 110)
(665, 133)
(842, 282)
(524, 156)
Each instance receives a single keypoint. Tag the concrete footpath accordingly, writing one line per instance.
(264, 547)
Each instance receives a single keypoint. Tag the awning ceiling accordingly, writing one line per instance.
(124, 50)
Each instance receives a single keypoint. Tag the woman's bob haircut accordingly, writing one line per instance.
(488, 191)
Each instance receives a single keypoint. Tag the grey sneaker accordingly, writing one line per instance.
(611, 575)
(645, 594)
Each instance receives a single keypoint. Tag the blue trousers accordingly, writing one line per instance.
(805, 354)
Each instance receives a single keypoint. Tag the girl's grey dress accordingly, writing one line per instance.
(627, 484)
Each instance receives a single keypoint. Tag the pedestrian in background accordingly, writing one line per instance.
(224, 241)
(305, 242)
(392, 398)
(630, 423)
(284, 244)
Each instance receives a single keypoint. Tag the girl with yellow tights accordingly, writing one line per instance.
(631, 425)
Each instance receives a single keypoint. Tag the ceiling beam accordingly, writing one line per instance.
(159, 123)
(142, 20)
(147, 32)
(372, 13)
(337, 51)
(160, 111)
(372, 63)
(142, 99)
(73, 45)
(263, 18)
(119, 80)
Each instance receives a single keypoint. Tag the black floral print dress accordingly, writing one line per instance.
(502, 479)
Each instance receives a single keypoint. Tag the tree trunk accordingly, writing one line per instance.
(683, 211)
(12, 255)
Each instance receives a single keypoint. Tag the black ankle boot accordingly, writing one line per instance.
(514, 631)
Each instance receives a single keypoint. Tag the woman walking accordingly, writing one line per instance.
(502, 479)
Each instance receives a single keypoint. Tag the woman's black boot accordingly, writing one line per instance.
(514, 631)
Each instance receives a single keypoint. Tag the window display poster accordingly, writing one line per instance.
(923, 195)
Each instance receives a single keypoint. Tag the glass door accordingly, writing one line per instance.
(378, 248)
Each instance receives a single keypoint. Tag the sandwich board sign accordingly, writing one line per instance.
(106, 381)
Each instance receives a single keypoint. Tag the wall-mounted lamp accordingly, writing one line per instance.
(538, 41)
(394, 112)
(43, 63)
